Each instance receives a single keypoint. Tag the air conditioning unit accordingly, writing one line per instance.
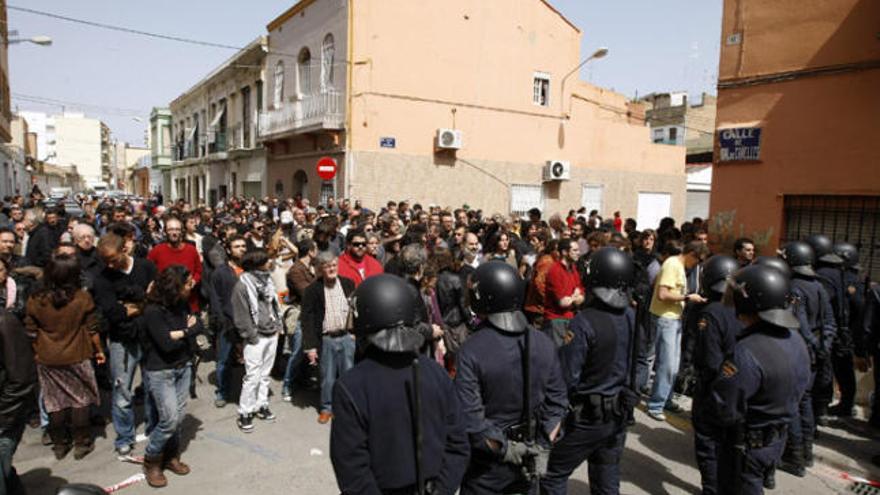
(557, 170)
(448, 139)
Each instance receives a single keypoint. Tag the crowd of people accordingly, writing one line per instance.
(130, 296)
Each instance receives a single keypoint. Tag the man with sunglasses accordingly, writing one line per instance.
(354, 263)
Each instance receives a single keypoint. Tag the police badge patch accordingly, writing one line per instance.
(728, 369)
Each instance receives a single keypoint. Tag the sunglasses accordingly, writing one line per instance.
(358, 244)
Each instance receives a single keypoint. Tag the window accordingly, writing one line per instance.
(279, 188)
(328, 188)
(259, 90)
(658, 135)
(304, 72)
(673, 135)
(541, 89)
(328, 54)
(246, 117)
(279, 85)
(591, 197)
(652, 207)
(525, 197)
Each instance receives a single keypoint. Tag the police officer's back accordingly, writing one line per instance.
(598, 366)
(372, 441)
(757, 392)
(490, 381)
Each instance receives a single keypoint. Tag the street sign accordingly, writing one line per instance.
(740, 144)
(326, 168)
(388, 142)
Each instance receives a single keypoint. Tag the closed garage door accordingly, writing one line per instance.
(652, 208)
(697, 205)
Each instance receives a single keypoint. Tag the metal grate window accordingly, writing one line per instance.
(525, 197)
(854, 219)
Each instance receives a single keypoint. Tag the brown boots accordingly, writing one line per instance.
(153, 471)
(170, 460)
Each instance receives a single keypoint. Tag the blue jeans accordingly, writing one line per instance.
(337, 357)
(9, 437)
(221, 378)
(125, 358)
(169, 388)
(668, 355)
(295, 359)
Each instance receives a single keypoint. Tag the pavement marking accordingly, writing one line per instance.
(234, 441)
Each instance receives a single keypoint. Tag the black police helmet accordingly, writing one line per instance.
(824, 249)
(763, 290)
(848, 253)
(497, 291)
(384, 301)
(775, 263)
(715, 272)
(800, 257)
(80, 489)
(610, 276)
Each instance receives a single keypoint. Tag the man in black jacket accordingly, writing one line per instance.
(44, 239)
(325, 323)
(119, 292)
(223, 279)
(18, 385)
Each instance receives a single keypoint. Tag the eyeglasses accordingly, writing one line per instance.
(358, 244)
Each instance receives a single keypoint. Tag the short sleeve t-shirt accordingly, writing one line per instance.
(672, 275)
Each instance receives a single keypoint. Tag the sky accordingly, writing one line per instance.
(118, 77)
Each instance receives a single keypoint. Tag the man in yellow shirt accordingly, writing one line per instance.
(667, 305)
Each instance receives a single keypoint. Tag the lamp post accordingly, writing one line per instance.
(600, 53)
(37, 40)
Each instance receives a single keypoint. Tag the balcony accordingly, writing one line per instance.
(242, 137)
(313, 112)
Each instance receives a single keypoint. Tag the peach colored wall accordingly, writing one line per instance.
(479, 60)
(819, 134)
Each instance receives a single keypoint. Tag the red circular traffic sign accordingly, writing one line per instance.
(326, 168)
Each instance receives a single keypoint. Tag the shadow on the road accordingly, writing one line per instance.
(664, 442)
(859, 450)
(40, 481)
(649, 474)
(306, 398)
(188, 429)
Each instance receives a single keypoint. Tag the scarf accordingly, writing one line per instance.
(259, 286)
(11, 291)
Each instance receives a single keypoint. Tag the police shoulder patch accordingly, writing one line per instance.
(728, 369)
(703, 324)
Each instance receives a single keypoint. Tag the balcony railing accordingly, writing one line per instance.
(242, 137)
(314, 111)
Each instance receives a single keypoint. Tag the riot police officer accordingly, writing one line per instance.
(829, 271)
(816, 326)
(715, 338)
(598, 366)
(398, 427)
(842, 357)
(510, 386)
(757, 391)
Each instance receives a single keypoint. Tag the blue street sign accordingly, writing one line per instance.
(388, 142)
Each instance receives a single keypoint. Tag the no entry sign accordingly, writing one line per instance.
(326, 168)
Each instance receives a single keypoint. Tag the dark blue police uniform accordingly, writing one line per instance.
(831, 278)
(490, 385)
(372, 437)
(596, 364)
(755, 396)
(717, 329)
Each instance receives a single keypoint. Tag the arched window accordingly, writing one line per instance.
(328, 54)
(279, 84)
(304, 71)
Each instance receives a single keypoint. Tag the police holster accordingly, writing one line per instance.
(596, 409)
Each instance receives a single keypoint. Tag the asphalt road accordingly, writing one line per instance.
(291, 455)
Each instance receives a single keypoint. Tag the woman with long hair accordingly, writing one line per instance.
(169, 330)
(61, 318)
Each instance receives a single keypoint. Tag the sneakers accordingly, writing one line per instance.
(123, 453)
(657, 415)
(265, 414)
(245, 422)
(673, 407)
(286, 395)
(841, 411)
(219, 403)
(325, 417)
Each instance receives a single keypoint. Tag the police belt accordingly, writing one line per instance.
(758, 438)
(595, 408)
(430, 487)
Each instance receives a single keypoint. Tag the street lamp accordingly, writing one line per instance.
(600, 53)
(37, 40)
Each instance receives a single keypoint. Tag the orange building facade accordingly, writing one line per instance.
(797, 142)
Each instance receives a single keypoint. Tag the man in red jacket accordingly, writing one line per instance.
(355, 263)
(174, 251)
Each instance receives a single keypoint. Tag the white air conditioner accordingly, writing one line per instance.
(557, 170)
(448, 139)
